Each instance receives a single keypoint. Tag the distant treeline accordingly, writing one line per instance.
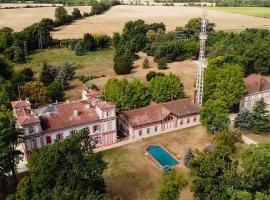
(64, 2)
(225, 3)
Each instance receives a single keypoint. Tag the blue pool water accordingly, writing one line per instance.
(162, 156)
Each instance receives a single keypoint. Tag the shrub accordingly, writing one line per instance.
(153, 74)
(146, 63)
(162, 63)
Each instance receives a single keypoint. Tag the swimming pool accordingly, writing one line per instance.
(162, 156)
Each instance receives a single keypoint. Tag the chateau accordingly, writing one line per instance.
(43, 126)
(258, 87)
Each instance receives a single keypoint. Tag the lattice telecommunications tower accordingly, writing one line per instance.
(201, 65)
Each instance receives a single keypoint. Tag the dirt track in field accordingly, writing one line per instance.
(19, 18)
(114, 20)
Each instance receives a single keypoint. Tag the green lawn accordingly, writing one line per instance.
(131, 174)
(253, 11)
(92, 63)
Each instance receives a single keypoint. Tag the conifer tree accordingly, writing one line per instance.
(78, 49)
(244, 120)
(261, 117)
(188, 157)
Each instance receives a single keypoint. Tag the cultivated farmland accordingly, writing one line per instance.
(19, 18)
(252, 11)
(117, 16)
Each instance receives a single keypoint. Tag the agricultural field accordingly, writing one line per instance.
(100, 63)
(19, 18)
(114, 20)
(252, 11)
(133, 175)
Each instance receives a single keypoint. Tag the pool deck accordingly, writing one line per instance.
(155, 161)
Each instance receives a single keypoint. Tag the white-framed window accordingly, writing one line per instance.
(72, 132)
(86, 129)
(181, 122)
(97, 140)
(48, 139)
(195, 119)
(188, 120)
(33, 143)
(31, 129)
(140, 132)
(58, 136)
(96, 128)
(109, 125)
(156, 128)
(148, 130)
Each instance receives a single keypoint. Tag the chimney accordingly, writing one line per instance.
(76, 113)
(260, 84)
(87, 106)
(67, 101)
(194, 96)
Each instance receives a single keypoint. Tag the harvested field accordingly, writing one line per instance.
(19, 18)
(117, 16)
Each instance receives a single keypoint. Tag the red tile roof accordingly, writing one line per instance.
(20, 104)
(103, 105)
(157, 112)
(64, 117)
(26, 117)
(256, 83)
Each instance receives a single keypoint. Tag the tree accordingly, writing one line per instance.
(122, 61)
(76, 14)
(67, 169)
(65, 74)
(146, 63)
(256, 169)
(125, 94)
(5, 69)
(261, 117)
(215, 115)
(170, 185)
(188, 157)
(6, 38)
(166, 88)
(48, 74)
(19, 56)
(244, 120)
(61, 14)
(214, 170)
(46, 23)
(224, 82)
(89, 43)
(116, 39)
(36, 92)
(56, 91)
(9, 154)
(78, 49)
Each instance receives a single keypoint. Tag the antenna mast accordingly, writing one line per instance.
(201, 65)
